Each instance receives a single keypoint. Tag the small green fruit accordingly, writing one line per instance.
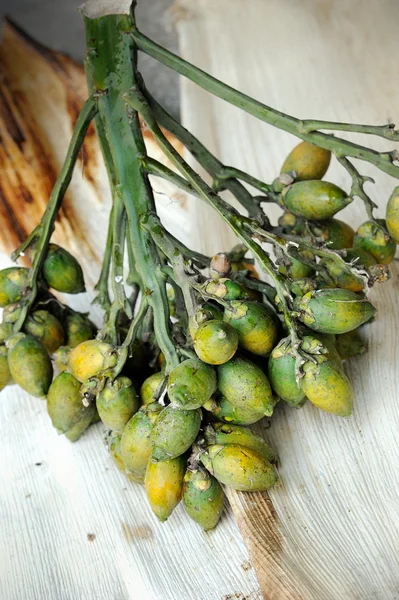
(30, 365)
(308, 161)
(392, 215)
(203, 498)
(316, 200)
(336, 234)
(90, 358)
(13, 281)
(191, 384)
(136, 439)
(255, 325)
(282, 374)
(117, 403)
(150, 387)
(245, 386)
(5, 375)
(226, 434)
(174, 432)
(78, 329)
(62, 271)
(164, 485)
(46, 328)
(298, 269)
(350, 344)
(327, 387)
(65, 407)
(373, 237)
(239, 415)
(239, 467)
(215, 342)
(333, 310)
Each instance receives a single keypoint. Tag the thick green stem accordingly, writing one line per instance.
(102, 286)
(266, 188)
(340, 147)
(46, 226)
(357, 188)
(111, 68)
(137, 101)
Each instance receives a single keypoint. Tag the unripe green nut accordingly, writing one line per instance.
(226, 434)
(150, 387)
(78, 329)
(245, 386)
(13, 281)
(60, 358)
(226, 289)
(117, 403)
(239, 467)
(62, 271)
(5, 332)
(191, 384)
(89, 358)
(327, 387)
(164, 485)
(240, 415)
(136, 438)
(30, 365)
(282, 375)
(203, 498)
(392, 215)
(215, 342)
(333, 310)
(5, 375)
(373, 237)
(298, 269)
(287, 220)
(349, 281)
(66, 409)
(315, 199)
(255, 325)
(114, 446)
(350, 344)
(308, 161)
(46, 328)
(174, 432)
(336, 234)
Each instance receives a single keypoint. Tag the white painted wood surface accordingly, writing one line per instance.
(334, 530)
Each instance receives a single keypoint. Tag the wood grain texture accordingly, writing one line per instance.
(330, 531)
(71, 526)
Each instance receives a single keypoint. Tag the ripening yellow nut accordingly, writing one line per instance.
(327, 387)
(308, 161)
(89, 358)
(392, 216)
(164, 485)
(215, 342)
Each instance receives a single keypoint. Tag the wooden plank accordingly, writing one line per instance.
(331, 529)
(71, 525)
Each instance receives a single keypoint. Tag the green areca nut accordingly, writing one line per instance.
(245, 386)
(239, 467)
(203, 498)
(30, 365)
(62, 271)
(117, 403)
(215, 342)
(316, 200)
(333, 310)
(174, 431)
(226, 434)
(308, 161)
(65, 407)
(255, 325)
(191, 384)
(136, 438)
(13, 281)
(46, 328)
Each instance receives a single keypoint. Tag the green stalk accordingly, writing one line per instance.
(136, 100)
(206, 159)
(44, 230)
(340, 147)
(111, 68)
